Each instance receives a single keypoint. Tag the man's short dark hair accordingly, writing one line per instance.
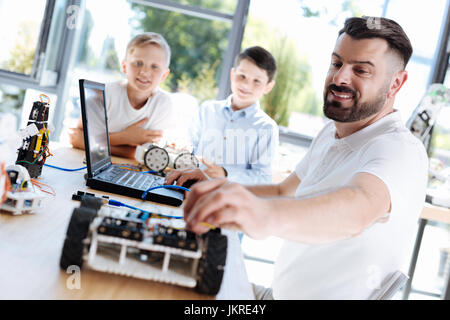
(261, 57)
(375, 27)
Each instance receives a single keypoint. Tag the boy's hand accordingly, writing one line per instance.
(213, 170)
(76, 137)
(135, 135)
(182, 176)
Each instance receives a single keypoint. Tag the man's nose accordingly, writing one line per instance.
(342, 76)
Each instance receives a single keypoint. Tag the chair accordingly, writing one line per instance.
(389, 287)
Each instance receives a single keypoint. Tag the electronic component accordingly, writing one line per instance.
(158, 159)
(122, 228)
(185, 160)
(177, 238)
(33, 152)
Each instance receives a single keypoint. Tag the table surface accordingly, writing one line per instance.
(31, 244)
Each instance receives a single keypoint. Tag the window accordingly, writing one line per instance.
(198, 44)
(302, 34)
(11, 99)
(20, 39)
(224, 6)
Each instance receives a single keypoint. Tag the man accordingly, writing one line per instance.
(349, 210)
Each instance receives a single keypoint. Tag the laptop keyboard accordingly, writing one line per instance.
(131, 179)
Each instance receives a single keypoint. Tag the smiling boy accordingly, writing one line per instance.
(138, 110)
(235, 137)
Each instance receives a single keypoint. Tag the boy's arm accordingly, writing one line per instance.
(123, 151)
(76, 137)
(135, 135)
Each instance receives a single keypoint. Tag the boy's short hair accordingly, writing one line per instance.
(261, 57)
(150, 38)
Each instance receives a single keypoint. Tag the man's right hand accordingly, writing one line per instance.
(135, 135)
(182, 176)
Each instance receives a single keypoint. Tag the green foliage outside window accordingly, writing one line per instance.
(196, 44)
(22, 54)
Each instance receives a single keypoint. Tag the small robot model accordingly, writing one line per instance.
(142, 245)
(34, 150)
(21, 196)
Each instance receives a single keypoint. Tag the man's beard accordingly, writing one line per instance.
(358, 111)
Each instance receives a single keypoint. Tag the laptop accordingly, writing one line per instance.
(101, 173)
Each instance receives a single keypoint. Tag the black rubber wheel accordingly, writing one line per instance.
(212, 263)
(91, 202)
(77, 231)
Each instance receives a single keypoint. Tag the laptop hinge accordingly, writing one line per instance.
(102, 168)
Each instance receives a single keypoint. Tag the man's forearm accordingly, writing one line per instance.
(337, 215)
(265, 190)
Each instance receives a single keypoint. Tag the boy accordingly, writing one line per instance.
(235, 133)
(138, 110)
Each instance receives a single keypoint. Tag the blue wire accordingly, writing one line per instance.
(64, 169)
(147, 213)
(150, 171)
(144, 195)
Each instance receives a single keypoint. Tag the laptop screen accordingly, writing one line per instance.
(94, 125)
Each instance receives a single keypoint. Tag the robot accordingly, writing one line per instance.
(137, 244)
(34, 150)
(20, 197)
(424, 116)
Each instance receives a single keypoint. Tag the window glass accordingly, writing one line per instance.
(224, 6)
(302, 35)
(19, 34)
(197, 48)
(11, 99)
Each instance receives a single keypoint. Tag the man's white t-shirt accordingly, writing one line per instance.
(353, 268)
(158, 109)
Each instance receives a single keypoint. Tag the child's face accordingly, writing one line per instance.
(249, 83)
(146, 68)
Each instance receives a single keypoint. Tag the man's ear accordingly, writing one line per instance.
(398, 79)
(124, 66)
(269, 86)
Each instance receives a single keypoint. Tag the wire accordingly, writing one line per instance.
(44, 96)
(64, 169)
(22, 184)
(148, 213)
(144, 195)
(40, 185)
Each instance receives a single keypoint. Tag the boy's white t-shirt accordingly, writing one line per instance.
(158, 109)
(353, 268)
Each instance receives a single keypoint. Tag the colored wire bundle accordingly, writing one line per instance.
(41, 187)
